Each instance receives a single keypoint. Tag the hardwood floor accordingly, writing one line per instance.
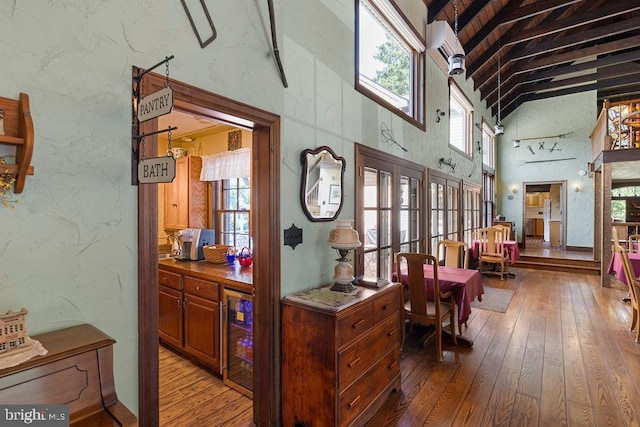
(191, 396)
(538, 247)
(561, 354)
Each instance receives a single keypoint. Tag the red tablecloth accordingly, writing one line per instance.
(511, 245)
(465, 284)
(615, 266)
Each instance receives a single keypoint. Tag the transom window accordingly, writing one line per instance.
(460, 121)
(390, 59)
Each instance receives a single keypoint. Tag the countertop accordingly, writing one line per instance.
(236, 276)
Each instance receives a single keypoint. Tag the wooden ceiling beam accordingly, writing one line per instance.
(632, 82)
(575, 20)
(435, 9)
(536, 8)
(577, 38)
(573, 55)
(606, 73)
(511, 82)
(495, 48)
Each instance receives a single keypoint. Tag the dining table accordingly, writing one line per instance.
(615, 266)
(465, 284)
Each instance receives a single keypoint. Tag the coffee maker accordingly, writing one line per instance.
(191, 241)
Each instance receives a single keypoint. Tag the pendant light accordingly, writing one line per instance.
(498, 128)
(456, 60)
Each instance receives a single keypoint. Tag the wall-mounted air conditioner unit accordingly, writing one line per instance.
(440, 36)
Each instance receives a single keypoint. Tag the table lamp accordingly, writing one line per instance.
(343, 238)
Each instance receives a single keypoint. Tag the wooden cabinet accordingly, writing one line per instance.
(77, 372)
(534, 200)
(185, 199)
(339, 366)
(189, 316)
(538, 229)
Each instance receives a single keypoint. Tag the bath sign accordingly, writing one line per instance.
(156, 170)
(155, 105)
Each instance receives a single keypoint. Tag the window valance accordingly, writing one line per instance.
(228, 165)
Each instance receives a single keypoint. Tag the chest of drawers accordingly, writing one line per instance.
(339, 365)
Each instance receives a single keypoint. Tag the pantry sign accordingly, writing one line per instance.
(155, 105)
(156, 170)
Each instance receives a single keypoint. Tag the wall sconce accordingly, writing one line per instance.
(343, 238)
(514, 189)
(576, 188)
(516, 143)
(439, 113)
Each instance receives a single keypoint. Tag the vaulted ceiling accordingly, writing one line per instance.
(546, 48)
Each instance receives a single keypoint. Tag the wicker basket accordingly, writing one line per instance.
(216, 254)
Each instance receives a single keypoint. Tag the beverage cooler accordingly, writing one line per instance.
(237, 342)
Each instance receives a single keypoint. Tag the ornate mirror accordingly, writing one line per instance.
(322, 183)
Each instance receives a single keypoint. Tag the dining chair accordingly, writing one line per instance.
(632, 243)
(634, 288)
(507, 230)
(418, 307)
(492, 250)
(453, 253)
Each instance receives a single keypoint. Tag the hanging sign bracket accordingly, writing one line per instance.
(150, 107)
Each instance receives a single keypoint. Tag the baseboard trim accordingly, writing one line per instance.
(579, 248)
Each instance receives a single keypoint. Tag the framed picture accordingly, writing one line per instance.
(334, 194)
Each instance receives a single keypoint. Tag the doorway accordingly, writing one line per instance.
(544, 216)
(265, 157)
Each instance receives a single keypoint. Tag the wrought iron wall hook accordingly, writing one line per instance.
(447, 162)
(439, 113)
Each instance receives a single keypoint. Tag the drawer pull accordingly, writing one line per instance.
(179, 302)
(393, 364)
(198, 288)
(391, 333)
(354, 362)
(386, 307)
(358, 323)
(353, 403)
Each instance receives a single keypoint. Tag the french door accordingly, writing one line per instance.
(444, 208)
(389, 201)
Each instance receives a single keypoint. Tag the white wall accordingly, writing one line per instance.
(551, 117)
(68, 252)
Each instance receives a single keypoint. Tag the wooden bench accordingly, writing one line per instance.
(77, 371)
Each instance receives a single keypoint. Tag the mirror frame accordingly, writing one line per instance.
(305, 175)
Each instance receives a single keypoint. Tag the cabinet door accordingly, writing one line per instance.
(202, 330)
(170, 316)
(176, 198)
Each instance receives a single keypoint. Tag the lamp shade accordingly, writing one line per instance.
(343, 236)
(498, 129)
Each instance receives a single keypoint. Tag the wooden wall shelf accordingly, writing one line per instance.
(18, 132)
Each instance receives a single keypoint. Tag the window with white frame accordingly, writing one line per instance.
(460, 120)
(390, 59)
(488, 145)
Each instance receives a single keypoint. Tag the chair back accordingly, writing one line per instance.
(491, 241)
(412, 264)
(454, 253)
(506, 228)
(629, 274)
(634, 240)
